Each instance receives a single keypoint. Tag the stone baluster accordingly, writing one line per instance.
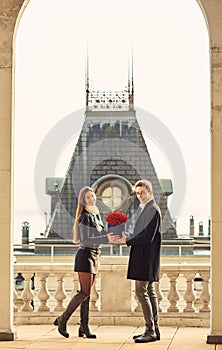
(94, 296)
(27, 294)
(59, 293)
(189, 295)
(205, 295)
(15, 298)
(173, 295)
(159, 295)
(75, 284)
(15, 295)
(43, 294)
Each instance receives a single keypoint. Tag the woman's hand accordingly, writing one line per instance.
(112, 238)
(116, 238)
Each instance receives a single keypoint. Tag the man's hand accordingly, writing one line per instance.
(122, 240)
(116, 238)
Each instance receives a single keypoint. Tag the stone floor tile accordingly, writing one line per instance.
(193, 346)
(190, 342)
(17, 344)
(146, 346)
(51, 345)
(108, 346)
(33, 331)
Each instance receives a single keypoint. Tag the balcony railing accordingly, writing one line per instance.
(183, 293)
(51, 252)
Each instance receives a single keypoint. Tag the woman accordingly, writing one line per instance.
(89, 230)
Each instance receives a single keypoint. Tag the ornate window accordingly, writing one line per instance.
(113, 193)
(112, 197)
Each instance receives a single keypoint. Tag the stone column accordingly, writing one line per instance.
(9, 10)
(213, 11)
(216, 197)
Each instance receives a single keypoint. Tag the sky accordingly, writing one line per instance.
(171, 81)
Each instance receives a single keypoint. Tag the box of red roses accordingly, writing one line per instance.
(116, 222)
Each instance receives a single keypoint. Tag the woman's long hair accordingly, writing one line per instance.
(80, 207)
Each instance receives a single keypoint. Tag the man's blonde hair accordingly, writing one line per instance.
(144, 183)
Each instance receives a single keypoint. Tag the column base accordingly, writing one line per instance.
(8, 336)
(214, 339)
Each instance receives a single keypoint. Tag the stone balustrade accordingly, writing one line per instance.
(182, 301)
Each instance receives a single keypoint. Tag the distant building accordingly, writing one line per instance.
(110, 156)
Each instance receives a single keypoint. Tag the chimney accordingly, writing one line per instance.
(25, 232)
(191, 226)
(201, 232)
(209, 227)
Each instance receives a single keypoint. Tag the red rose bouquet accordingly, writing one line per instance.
(116, 222)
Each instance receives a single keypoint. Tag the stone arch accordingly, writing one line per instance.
(10, 14)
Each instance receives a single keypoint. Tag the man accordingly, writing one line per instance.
(144, 260)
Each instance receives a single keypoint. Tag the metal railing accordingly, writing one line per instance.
(53, 250)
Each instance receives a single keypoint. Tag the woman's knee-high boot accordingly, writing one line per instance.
(84, 320)
(61, 321)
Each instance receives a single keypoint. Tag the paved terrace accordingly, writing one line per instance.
(43, 337)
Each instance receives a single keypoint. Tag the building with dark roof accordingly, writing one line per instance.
(110, 156)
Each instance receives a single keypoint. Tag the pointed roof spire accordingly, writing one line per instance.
(130, 81)
(87, 76)
(112, 100)
(132, 73)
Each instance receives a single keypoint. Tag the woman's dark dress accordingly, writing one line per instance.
(92, 235)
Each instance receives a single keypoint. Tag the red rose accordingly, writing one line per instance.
(116, 218)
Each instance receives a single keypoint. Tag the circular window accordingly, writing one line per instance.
(112, 197)
(113, 193)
